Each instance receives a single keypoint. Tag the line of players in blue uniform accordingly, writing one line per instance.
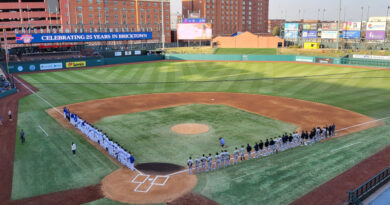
(261, 149)
(113, 148)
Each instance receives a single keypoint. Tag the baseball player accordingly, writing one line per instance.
(217, 161)
(235, 158)
(189, 164)
(227, 158)
(261, 145)
(248, 150)
(210, 162)
(132, 160)
(222, 158)
(197, 161)
(9, 115)
(242, 156)
(256, 150)
(203, 161)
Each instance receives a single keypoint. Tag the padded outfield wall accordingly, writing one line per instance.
(45, 65)
(284, 58)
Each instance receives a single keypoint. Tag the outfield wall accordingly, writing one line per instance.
(286, 58)
(31, 66)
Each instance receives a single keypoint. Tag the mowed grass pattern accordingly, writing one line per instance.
(360, 90)
(149, 135)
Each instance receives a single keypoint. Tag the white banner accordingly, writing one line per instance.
(50, 66)
(137, 52)
(118, 53)
(376, 26)
(372, 57)
(329, 35)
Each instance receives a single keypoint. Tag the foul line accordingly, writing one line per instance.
(43, 130)
(38, 95)
(364, 123)
(345, 146)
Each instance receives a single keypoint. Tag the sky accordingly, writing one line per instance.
(351, 9)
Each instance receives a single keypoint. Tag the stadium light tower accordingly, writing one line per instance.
(162, 25)
(338, 26)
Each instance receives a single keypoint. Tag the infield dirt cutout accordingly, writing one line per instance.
(190, 128)
(304, 114)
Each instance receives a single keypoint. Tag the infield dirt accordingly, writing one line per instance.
(304, 114)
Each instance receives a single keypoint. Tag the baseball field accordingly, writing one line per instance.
(154, 97)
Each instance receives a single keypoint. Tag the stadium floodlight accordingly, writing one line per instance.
(162, 25)
(338, 26)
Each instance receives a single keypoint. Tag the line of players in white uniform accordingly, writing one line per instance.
(223, 159)
(96, 135)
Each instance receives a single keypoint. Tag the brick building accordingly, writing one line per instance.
(272, 23)
(23, 16)
(230, 16)
(82, 16)
(116, 16)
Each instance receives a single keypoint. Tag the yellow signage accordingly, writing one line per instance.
(76, 64)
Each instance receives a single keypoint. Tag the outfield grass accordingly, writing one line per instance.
(148, 134)
(45, 164)
(248, 51)
(360, 90)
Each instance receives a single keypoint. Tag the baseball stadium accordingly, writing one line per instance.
(118, 117)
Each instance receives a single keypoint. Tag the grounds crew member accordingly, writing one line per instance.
(73, 148)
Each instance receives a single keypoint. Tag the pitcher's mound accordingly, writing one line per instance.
(190, 128)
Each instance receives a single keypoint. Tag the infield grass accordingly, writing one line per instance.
(148, 134)
(361, 90)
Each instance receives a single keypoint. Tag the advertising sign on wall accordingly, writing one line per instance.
(291, 34)
(376, 26)
(352, 26)
(351, 34)
(309, 34)
(372, 57)
(307, 59)
(191, 31)
(329, 34)
(76, 64)
(118, 53)
(81, 37)
(329, 26)
(192, 20)
(375, 35)
(50, 66)
(324, 60)
(310, 26)
(291, 26)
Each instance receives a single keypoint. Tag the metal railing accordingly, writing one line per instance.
(356, 196)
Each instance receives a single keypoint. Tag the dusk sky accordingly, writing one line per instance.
(309, 8)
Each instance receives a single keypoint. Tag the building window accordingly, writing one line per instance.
(78, 1)
(91, 22)
(90, 1)
(90, 8)
(79, 8)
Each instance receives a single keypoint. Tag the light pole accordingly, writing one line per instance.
(362, 14)
(323, 15)
(338, 26)
(162, 25)
(318, 14)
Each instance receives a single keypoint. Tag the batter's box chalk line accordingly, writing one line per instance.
(147, 178)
